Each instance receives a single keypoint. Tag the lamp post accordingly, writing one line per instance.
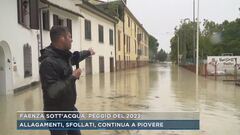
(197, 51)
(194, 41)
(239, 11)
(178, 49)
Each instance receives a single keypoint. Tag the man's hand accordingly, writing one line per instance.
(91, 51)
(77, 72)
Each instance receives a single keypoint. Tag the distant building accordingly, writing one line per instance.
(132, 39)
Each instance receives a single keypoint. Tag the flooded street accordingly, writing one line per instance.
(159, 87)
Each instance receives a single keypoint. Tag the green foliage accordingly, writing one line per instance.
(215, 39)
(161, 55)
(183, 35)
(153, 47)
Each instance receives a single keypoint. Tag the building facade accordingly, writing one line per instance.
(98, 32)
(18, 44)
(25, 31)
(132, 38)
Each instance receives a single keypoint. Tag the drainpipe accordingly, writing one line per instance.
(40, 27)
(115, 46)
(124, 38)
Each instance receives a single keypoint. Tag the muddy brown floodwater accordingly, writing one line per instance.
(158, 87)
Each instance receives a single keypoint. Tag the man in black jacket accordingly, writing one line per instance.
(57, 76)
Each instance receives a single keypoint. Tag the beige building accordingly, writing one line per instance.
(136, 41)
(131, 37)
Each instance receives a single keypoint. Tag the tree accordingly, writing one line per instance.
(186, 48)
(214, 40)
(162, 55)
(153, 47)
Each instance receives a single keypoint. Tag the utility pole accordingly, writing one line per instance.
(197, 62)
(239, 11)
(178, 49)
(194, 41)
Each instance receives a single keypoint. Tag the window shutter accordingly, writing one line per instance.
(86, 29)
(88, 34)
(99, 33)
(111, 37)
(27, 57)
(69, 25)
(46, 25)
(34, 16)
(90, 30)
(85, 24)
(55, 20)
(19, 11)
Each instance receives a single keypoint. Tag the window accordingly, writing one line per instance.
(146, 51)
(129, 21)
(27, 57)
(135, 30)
(45, 18)
(124, 39)
(62, 22)
(28, 13)
(111, 37)
(119, 40)
(129, 43)
(69, 25)
(88, 34)
(100, 34)
(135, 46)
(101, 64)
(57, 20)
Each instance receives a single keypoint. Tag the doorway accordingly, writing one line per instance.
(111, 64)
(5, 69)
(101, 64)
(88, 66)
(2, 72)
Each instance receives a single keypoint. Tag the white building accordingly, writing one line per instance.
(60, 12)
(98, 32)
(18, 44)
(20, 37)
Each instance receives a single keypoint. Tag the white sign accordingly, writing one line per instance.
(223, 64)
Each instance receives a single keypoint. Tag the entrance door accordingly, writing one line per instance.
(111, 65)
(2, 72)
(101, 64)
(88, 66)
(5, 69)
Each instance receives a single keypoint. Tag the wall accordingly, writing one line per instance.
(15, 35)
(101, 49)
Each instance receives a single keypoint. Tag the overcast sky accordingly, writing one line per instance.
(159, 17)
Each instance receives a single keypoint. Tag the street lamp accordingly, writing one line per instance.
(194, 41)
(197, 62)
(178, 49)
(239, 10)
(187, 19)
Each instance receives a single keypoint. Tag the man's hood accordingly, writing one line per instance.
(51, 51)
(46, 52)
